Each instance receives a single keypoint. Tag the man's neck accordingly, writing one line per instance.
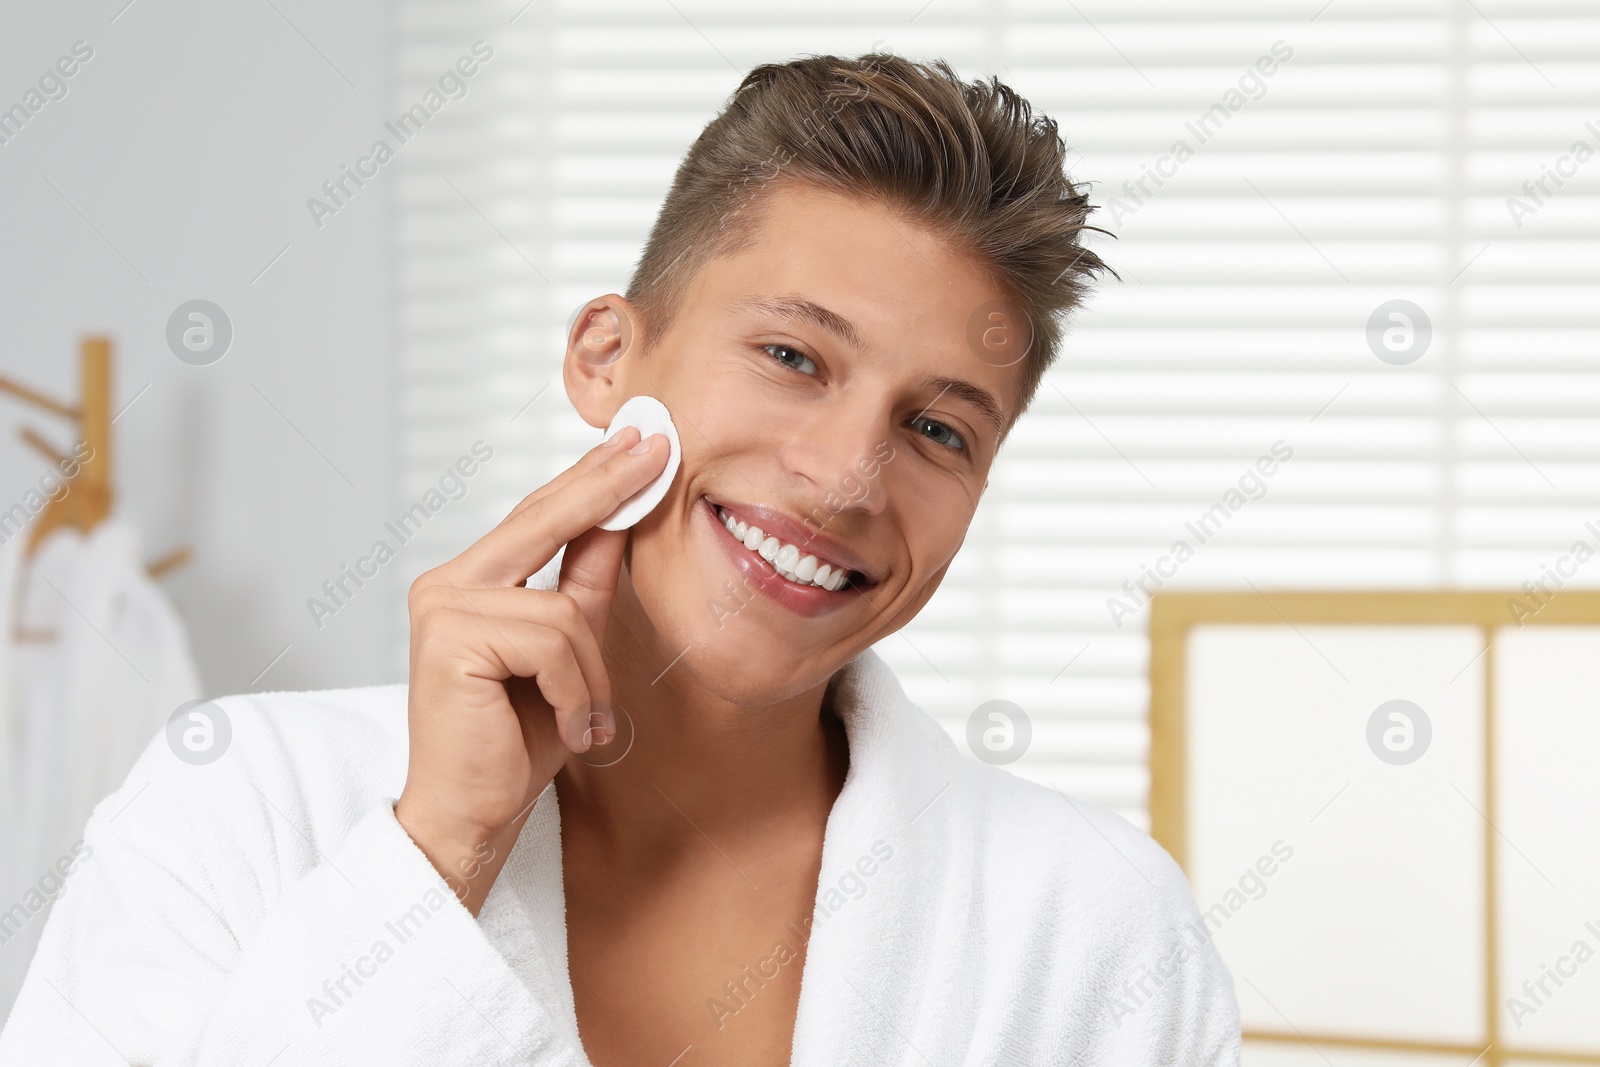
(697, 766)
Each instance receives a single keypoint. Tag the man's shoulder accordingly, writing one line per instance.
(357, 733)
(1037, 839)
(227, 767)
(1103, 913)
(353, 702)
(355, 715)
(1033, 833)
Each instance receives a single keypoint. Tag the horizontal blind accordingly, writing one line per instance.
(1340, 157)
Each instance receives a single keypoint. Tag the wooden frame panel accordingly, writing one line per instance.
(1174, 615)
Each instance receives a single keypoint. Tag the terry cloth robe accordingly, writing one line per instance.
(77, 710)
(268, 908)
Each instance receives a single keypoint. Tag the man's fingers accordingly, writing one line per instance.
(510, 647)
(625, 438)
(530, 538)
(538, 606)
(500, 648)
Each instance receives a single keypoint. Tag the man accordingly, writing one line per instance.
(661, 803)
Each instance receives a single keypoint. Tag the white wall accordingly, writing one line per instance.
(191, 141)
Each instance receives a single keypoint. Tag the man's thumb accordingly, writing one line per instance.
(589, 572)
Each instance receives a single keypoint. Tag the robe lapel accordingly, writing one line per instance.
(872, 933)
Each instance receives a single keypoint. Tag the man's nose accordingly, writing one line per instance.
(841, 453)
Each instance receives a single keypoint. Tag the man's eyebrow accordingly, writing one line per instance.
(979, 397)
(797, 307)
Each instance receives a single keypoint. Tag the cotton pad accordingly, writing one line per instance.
(650, 416)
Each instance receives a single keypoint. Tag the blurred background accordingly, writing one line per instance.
(1354, 350)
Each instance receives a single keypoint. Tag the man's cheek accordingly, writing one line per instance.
(898, 606)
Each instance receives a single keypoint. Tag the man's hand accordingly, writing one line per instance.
(506, 680)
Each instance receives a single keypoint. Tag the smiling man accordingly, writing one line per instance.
(649, 796)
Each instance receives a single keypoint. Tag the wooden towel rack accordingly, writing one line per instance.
(90, 494)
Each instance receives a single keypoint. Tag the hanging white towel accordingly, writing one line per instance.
(11, 562)
(85, 704)
(268, 907)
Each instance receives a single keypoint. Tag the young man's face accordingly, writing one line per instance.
(825, 374)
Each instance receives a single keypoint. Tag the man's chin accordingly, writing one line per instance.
(758, 685)
(745, 665)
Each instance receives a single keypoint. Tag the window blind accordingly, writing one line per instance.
(1370, 267)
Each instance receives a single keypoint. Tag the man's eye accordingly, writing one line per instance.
(943, 434)
(783, 354)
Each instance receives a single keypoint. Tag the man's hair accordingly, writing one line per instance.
(969, 161)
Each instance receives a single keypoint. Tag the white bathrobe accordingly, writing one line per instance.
(75, 711)
(269, 909)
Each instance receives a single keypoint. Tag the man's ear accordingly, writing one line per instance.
(600, 356)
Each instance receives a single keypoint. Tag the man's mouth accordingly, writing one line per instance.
(799, 563)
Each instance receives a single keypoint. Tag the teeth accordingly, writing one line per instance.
(786, 559)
